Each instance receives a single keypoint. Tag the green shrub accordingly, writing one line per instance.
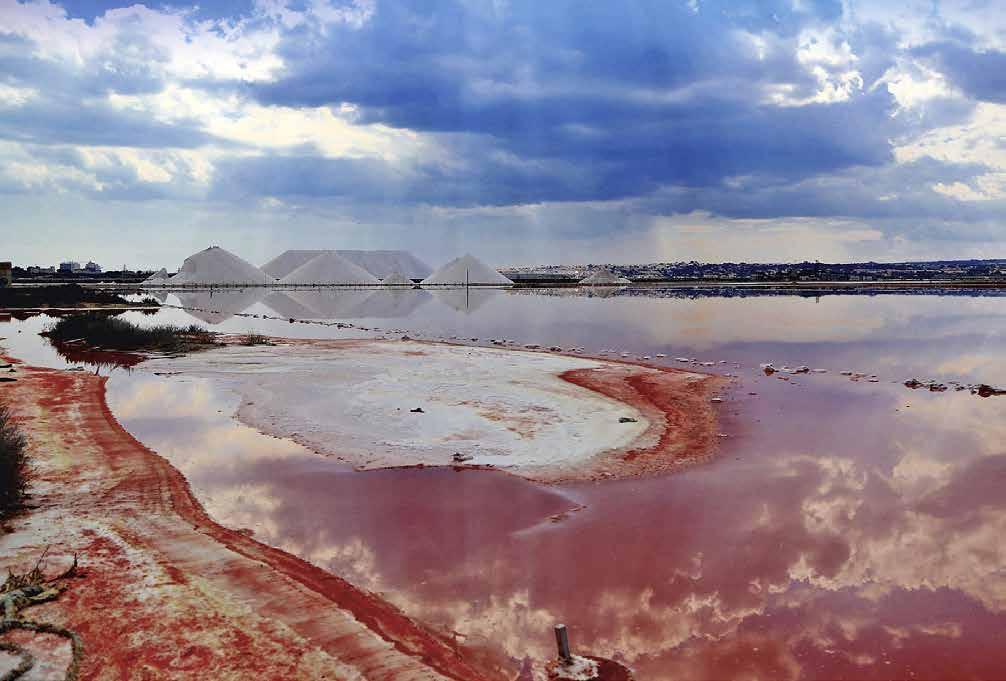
(14, 470)
(111, 333)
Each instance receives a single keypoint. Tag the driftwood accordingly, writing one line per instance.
(21, 591)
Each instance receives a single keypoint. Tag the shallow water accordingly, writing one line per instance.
(847, 529)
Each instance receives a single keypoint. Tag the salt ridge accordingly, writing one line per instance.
(466, 270)
(329, 268)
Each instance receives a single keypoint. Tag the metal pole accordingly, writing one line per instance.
(562, 643)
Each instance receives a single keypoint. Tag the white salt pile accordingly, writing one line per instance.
(158, 277)
(378, 263)
(286, 262)
(329, 269)
(383, 263)
(396, 279)
(604, 277)
(466, 271)
(218, 266)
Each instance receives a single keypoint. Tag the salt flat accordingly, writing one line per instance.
(354, 399)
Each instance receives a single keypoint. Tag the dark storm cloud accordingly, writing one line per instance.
(613, 99)
(979, 74)
(490, 182)
(902, 191)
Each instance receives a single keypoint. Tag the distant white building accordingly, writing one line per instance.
(69, 266)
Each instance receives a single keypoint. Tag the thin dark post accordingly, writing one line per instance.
(562, 643)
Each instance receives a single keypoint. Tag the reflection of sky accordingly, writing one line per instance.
(846, 529)
(895, 336)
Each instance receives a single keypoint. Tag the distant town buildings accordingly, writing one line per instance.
(936, 270)
(71, 266)
(6, 274)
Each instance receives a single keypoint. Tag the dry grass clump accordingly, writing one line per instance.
(14, 468)
(255, 339)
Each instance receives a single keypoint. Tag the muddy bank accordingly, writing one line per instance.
(168, 593)
(542, 416)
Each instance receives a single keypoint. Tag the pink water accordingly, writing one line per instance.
(846, 530)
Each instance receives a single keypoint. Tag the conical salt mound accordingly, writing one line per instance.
(383, 263)
(287, 261)
(218, 266)
(158, 277)
(466, 271)
(397, 279)
(604, 277)
(326, 269)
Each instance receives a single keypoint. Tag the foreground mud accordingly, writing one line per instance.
(168, 593)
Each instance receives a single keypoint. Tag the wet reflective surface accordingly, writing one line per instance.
(848, 529)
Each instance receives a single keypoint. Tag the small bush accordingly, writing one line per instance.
(100, 330)
(14, 471)
(255, 339)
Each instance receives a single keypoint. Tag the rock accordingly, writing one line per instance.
(627, 419)
(715, 400)
(417, 410)
(801, 370)
(985, 390)
(913, 383)
(461, 458)
(768, 368)
(406, 338)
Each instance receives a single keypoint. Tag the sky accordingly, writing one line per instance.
(523, 131)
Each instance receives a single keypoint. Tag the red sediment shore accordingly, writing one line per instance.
(677, 404)
(167, 592)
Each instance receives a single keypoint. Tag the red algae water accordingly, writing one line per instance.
(849, 527)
